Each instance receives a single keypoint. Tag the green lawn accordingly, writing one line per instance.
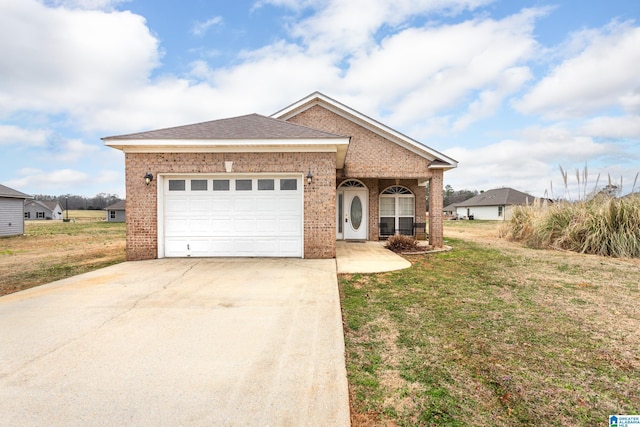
(494, 337)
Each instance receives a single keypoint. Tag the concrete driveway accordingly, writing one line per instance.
(220, 342)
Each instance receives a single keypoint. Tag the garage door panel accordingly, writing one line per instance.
(221, 227)
(176, 247)
(199, 247)
(177, 226)
(220, 204)
(288, 206)
(226, 222)
(244, 205)
(199, 225)
(200, 204)
(290, 226)
(222, 247)
(264, 204)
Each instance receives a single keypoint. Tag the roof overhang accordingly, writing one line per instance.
(438, 160)
(313, 145)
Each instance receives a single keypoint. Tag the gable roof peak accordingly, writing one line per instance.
(438, 160)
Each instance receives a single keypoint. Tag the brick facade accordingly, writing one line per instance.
(319, 197)
(380, 163)
(377, 159)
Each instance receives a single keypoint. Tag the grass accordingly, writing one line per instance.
(86, 215)
(493, 336)
(54, 250)
(603, 226)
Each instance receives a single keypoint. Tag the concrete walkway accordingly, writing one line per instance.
(367, 257)
(172, 342)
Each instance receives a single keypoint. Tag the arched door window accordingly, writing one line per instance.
(397, 211)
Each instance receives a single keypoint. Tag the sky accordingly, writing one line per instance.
(513, 89)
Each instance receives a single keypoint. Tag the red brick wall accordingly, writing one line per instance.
(372, 156)
(436, 214)
(369, 154)
(319, 198)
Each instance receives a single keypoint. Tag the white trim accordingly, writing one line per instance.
(348, 113)
(329, 145)
(365, 190)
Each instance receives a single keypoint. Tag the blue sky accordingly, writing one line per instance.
(510, 89)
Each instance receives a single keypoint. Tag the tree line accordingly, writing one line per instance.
(75, 202)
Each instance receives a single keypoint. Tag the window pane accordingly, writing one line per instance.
(288, 184)
(405, 206)
(198, 185)
(387, 206)
(243, 185)
(387, 225)
(176, 185)
(406, 226)
(265, 184)
(340, 210)
(220, 185)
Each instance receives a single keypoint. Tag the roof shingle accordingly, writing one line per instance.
(11, 193)
(252, 126)
(498, 197)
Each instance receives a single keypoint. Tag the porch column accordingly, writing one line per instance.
(436, 200)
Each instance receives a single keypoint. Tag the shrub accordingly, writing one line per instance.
(602, 226)
(400, 243)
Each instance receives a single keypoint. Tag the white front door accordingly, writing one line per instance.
(355, 214)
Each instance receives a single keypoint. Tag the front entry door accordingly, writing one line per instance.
(355, 214)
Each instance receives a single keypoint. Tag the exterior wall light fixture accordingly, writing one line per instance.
(148, 178)
(309, 178)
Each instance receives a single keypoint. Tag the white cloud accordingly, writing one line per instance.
(66, 60)
(42, 182)
(14, 135)
(419, 73)
(201, 28)
(71, 150)
(613, 127)
(348, 26)
(528, 163)
(603, 74)
(86, 4)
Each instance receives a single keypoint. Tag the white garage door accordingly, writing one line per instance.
(241, 216)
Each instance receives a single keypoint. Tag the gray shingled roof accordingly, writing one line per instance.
(252, 126)
(11, 193)
(498, 197)
(117, 206)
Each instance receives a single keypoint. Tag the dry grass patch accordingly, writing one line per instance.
(53, 250)
(495, 334)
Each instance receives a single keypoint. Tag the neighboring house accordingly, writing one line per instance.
(38, 209)
(450, 210)
(493, 204)
(11, 211)
(116, 212)
(288, 185)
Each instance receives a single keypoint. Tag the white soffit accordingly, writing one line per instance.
(316, 145)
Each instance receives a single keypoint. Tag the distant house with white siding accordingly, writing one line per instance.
(11, 211)
(493, 204)
(116, 212)
(38, 209)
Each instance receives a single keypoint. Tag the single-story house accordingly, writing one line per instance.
(39, 209)
(493, 204)
(288, 185)
(116, 212)
(450, 210)
(12, 211)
